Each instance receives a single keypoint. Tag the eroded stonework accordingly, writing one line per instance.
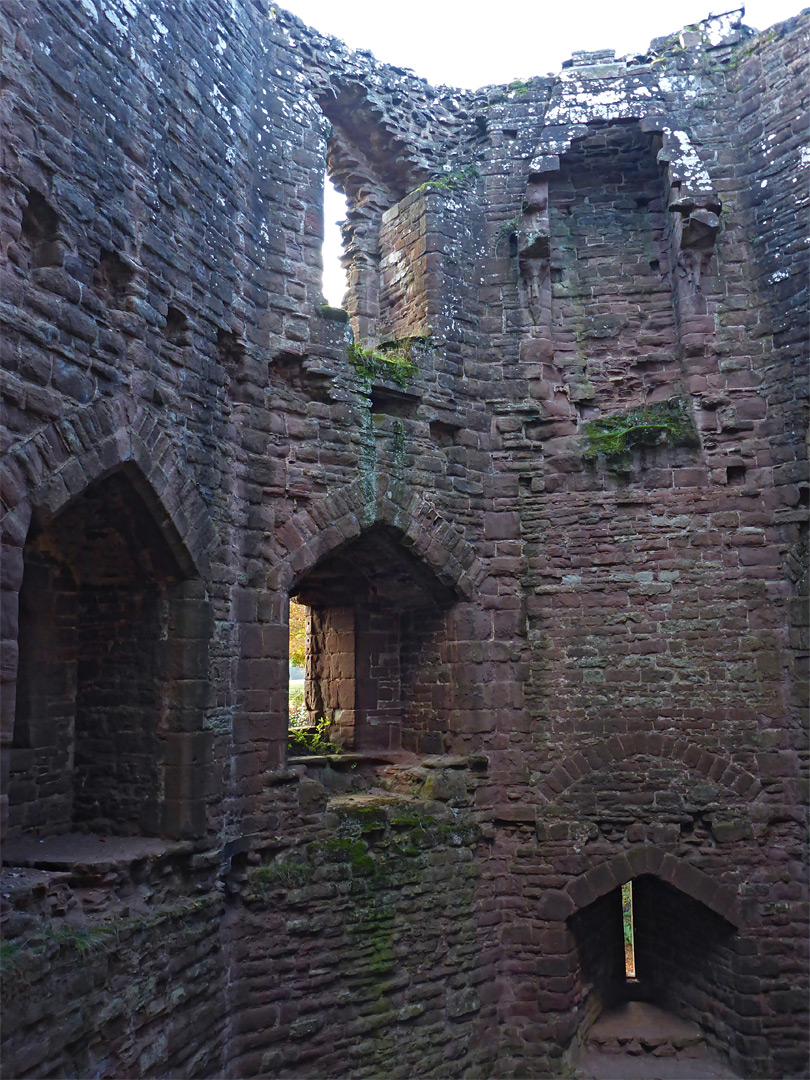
(542, 488)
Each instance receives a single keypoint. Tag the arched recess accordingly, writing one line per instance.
(622, 187)
(374, 170)
(674, 748)
(379, 584)
(334, 520)
(612, 873)
(691, 952)
(43, 474)
(111, 625)
(686, 959)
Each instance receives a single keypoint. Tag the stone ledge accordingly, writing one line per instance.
(73, 851)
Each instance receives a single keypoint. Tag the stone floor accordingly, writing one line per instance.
(639, 1041)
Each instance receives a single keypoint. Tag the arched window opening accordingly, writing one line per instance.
(373, 170)
(375, 677)
(111, 643)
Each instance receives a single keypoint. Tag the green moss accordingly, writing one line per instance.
(47, 938)
(371, 818)
(335, 314)
(342, 850)
(391, 360)
(404, 820)
(518, 87)
(507, 230)
(9, 954)
(457, 180)
(662, 423)
(743, 52)
(48, 941)
(285, 874)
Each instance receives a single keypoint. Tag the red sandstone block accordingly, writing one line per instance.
(502, 526)
(9, 616)
(188, 749)
(13, 486)
(245, 603)
(11, 565)
(555, 942)
(7, 712)
(634, 743)
(645, 860)
(580, 892)
(690, 477)
(601, 879)
(691, 754)
(9, 655)
(257, 676)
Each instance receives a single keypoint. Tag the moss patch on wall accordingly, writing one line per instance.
(393, 360)
(660, 423)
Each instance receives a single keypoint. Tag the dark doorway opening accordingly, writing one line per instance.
(104, 654)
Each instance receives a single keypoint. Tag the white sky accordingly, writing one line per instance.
(470, 43)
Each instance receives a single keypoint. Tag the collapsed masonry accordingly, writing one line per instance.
(542, 488)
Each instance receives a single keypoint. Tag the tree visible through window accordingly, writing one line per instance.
(627, 928)
(298, 659)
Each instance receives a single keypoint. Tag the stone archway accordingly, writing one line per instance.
(106, 538)
(393, 517)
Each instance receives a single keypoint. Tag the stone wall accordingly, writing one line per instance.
(542, 486)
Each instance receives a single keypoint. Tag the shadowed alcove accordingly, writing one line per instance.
(685, 958)
(103, 709)
(376, 619)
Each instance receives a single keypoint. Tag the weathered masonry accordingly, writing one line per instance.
(541, 487)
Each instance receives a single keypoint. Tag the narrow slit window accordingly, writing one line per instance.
(627, 931)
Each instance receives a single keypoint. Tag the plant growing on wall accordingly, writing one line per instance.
(463, 176)
(391, 360)
(310, 738)
(660, 423)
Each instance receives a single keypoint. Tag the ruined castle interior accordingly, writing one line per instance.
(540, 488)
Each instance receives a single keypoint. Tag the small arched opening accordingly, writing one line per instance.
(374, 667)
(679, 989)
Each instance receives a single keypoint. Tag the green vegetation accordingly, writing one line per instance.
(298, 634)
(662, 423)
(282, 874)
(507, 230)
(9, 951)
(47, 941)
(309, 737)
(392, 360)
(463, 176)
(82, 940)
(627, 930)
(335, 314)
(299, 717)
(518, 87)
(743, 52)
